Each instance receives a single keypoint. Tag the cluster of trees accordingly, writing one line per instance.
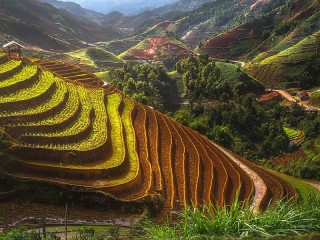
(147, 83)
(224, 110)
(240, 124)
(203, 79)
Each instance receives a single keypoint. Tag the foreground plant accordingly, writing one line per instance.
(238, 221)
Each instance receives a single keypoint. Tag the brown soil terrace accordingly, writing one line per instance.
(166, 166)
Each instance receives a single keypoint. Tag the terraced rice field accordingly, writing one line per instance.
(73, 134)
(296, 137)
(289, 63)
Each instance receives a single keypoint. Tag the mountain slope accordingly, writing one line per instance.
(40, 24)
(180, 6)
(128, 7)
(100, 142)
(75, 9)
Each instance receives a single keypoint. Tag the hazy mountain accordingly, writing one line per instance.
(127, 7)
(43, 25)
(75, 9)
(181, 6)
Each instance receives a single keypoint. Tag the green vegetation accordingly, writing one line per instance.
(148, 84)
(47, 80)
(10, 65)
(284, 219)
(315, 99)
(240, 124)
(52, 102)
(95, 57)
(205, 79)
(306, 166)
(26, 73)
(297, 65)
(118, 151)
(19, 234)
(72, 105)
(82, 55)
(292, 133)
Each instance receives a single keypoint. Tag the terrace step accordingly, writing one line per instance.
(22, 99)
(76, 152)
(75, 130)
(274, 188)
(192, 163)
(220, 174)
(147, 185)
(17, 119)
(179, 165)
(206, 169)
(25, 78)
(52, 118)
(165, 159)
(234, 182)
(153, 148)
(9, 68)
(72, 73)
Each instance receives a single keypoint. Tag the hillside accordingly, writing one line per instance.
(42, 25)
(96, 57)
(295, 66)
(104, 148)
(127, 7)
(180, 6)
(75, 9)
(215, 17)
(131, 24)
(157, 49)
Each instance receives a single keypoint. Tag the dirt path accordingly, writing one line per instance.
(259, 185)
(313, 184)
(292, 99)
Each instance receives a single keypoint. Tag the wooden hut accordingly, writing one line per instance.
(13, 49)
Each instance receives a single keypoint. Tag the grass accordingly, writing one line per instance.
(103, 75)
(82, 55)
(285, 219)
(94, 56)
(305, 190)
(100, 55)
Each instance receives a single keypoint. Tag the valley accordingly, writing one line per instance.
(143, 123)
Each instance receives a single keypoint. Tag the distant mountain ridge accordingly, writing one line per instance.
(42, 25)
(181, 6)
(127, 7)
(75, 9)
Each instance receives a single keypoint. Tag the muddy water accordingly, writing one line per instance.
(20, 213)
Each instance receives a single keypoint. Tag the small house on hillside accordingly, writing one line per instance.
(13, 49)
(303, 96)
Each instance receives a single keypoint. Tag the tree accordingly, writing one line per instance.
(222, 136)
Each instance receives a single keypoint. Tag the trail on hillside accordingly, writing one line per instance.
(292, 99)
(313, 184)
(259, 185)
